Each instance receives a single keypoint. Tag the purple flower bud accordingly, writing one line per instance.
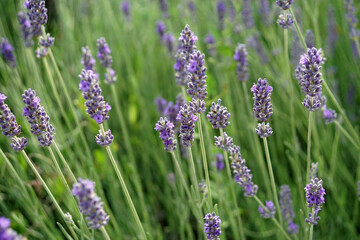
(285, 21)
(262, 100)
(110, 77)
(263, 130)
(243, 176)
(104, 140)
(329, 115)
(19, 144)
(287, 210)
(37, 15)
(26, 30)
(312, 103)
(197, 84)
(247, 14)
(6, 233)
(168, 40)
(224, 142)
(203, 188)
(45, 44)
(240, 56)
(269, 211)
(218, 115)
(219, 162)
(160, 28)
(166, 130)
(37, 117)
(125, 8)
(315, 198)
(69, 218)
(293, 228)
(284, 4)
(90, 204)
(87, 60)
(8, 52)
(161, 104)
(198, 105)
(97, 108)
(212, 226)
(8, 124)
(187, 118)
(104, 53)
(221, 11)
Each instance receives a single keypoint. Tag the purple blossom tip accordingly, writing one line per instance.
(240, 56)
(87, 60)
(287, 210)
(329, 115)
(219, 162)
(8, 52)
(104, 53)
(262, 100)
(315, 198)
(285, 21)
(104, 140)
(284, 4)
(203, 188)
(224, 142)
(218, 115)
(197, 76)
(269, 210)
(212, 226)
(187, 118)
(263, 130)
(166, 133)
(6, 233)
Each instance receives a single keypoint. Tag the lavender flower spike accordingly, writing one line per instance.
(224, 142)
(87, 60)
(284, 4)
(287, 210)
(125, 8)
(6, 233)
(45, 44)
(187, 129)
(218, 115)
(166, 129)
(8, 52)
(10, 127)
(212, 226)
(247, 14)
(104, 140)
(160, 28)
(243, 176)
(262, 97)
(315, 198)
(269, 211)
(106, 60)
(37, 117)
(25, 27)
(329, 115)
(97, 108)
(219, 162)
(89, 203)
(37, 15)
(285, 21)
(197, 85)
(240, 57)
(221, 10)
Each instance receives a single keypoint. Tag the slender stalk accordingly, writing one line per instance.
(231, 183)
(72, 176)
(308, 157)
(57, 206)
(274, 220)
(105, 233)
(177, 165)
(312, 226)
(272, 179)
(301, 36)
(203, 153)
(13, 171)
(123, 185)
(347, 135)
(193, 173)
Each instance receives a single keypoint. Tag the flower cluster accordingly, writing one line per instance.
(210, 44)
(285, 21)
(352, 19)
(221, 11)
(166, 129)
(309, 77)
(284, 4)
(262, 97)
(264, 130)
(104, 140)
(218, 115)
(97, 108)
(203, 188)
(10, 127)
(89, 203)
(161, 104)
(212, 226)
(106, 60)
(160, 28)
(287, 210)
(38, 118)
(224, 142)
(37, 14)
(314, 198)
(313, 171)
(240, 56)
(125, 8)
(269, 210)
(168, 40)
(171, 111)
(219, 162)
(87, 60)
(186, 48)
(25, 27)
(8, 52)
(187, 118)
(69, 218)
(247, 14)
(6, 233)
(243, 176)
(45, 44)
(329, 115)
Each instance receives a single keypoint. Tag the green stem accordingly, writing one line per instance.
(272, 179)
(105, 233)
(123, 186)
(308, 157)
(231, 183)
(193, 173)
(302, 40)
(57, 206)
(274, 220)
(72, 176)
(347, 135)
(203, 153)
(183, 181)
(312, 226)
(13, 171)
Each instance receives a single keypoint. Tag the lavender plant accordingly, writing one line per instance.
(212, 226)
(287, 210)
(8, 52)
(267, 212)
(240, 57)
(106, 60)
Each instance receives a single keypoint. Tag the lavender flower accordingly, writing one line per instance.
(191, 6)
(309, 38)
(69, 218)
(106, 60)
(263, 130)
(89, 203)
(168, 40)
(45, 44)
(171, 111)
(198, 105)
(285, 21)
(329, 115)
(8, 52)
(187, 119)
(262, 97)
(212, 226)
(166, 129)
(264, 12)
(203, 188)
(10, 127)
(243, 176)
(315, 198)
(313, 171)
(309, 77)
(125, 8)
(352, 19)
(26, 30)
(37, 15)
(87, 60)
(224, 142)
(219, 162)
(186, 48)
(197, 85)
(221, 11)
(104, 140)
(247, 14)
(97, 108)
(6, 233)
(284, 4)
(210, 44)
(164, 8)
(161, 104)
(269, 211)
(37, 117)
(160, 28)
(287, 210)
(240, 56)
(218, 115)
